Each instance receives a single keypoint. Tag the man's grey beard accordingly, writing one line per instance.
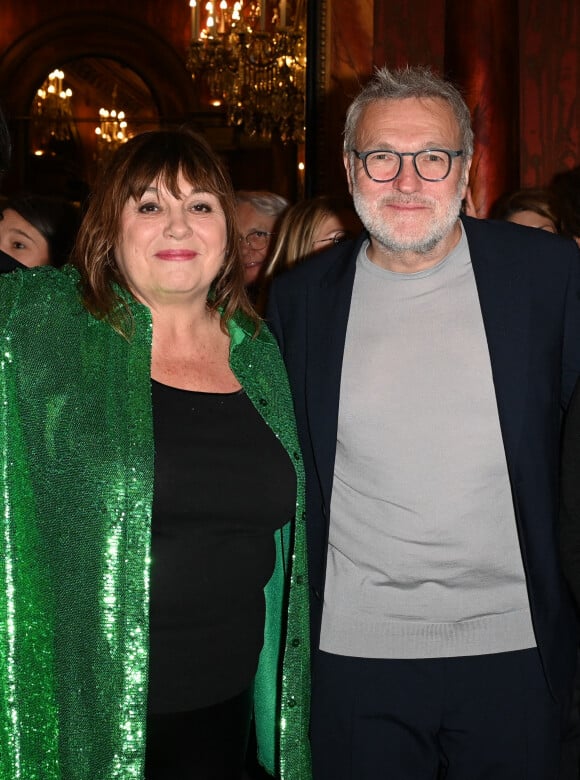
(380, 232)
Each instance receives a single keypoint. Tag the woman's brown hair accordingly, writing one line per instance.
(540, 201)
(157, 156)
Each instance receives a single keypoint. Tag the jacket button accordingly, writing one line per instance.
(295, 642)
(299, 579)
(263, 402)
(292, 702)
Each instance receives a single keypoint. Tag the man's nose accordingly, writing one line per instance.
(407, 180)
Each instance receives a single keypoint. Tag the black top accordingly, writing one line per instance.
(223, 484)
(8, 263)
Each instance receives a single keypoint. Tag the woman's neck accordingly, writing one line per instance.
(191, 351)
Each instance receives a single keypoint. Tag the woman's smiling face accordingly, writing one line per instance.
(171, 247)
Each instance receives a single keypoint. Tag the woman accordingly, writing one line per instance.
(151, 473)
(532, 207)
(38, 230)
(308, 227)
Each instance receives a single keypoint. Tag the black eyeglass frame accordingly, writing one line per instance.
(339, 238)
(362, 156)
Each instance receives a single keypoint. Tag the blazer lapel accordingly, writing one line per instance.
(328, 306)
(505, 308)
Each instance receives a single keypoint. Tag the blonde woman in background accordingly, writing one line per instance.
(308, 227)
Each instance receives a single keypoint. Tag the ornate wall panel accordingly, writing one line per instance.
(550, 88)
(481, 56)
(345, 63)
(409, 32)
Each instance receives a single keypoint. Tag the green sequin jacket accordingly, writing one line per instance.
(76, 479)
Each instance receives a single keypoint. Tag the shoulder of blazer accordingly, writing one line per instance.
(506, 242)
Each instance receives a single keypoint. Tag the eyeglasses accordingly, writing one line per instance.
(336, 239)
(257, 239)
(384, 165)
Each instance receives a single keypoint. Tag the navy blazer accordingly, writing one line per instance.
(528, 283)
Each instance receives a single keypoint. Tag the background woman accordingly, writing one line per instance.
(533, 207)
(155, 584)
(308, 227)
(38, 230)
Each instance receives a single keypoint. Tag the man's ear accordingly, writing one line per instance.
(466, 188)
(346, 161)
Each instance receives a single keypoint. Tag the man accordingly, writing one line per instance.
(429, 361)
(258, 214)
(7, 263)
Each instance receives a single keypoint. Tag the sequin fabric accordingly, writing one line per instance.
(282, 720)
(76, 479)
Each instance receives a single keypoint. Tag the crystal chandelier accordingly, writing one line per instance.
(52, 118)
(112, 130)
(113, 127)
(252, 58)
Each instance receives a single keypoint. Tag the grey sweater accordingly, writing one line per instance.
(423, 557)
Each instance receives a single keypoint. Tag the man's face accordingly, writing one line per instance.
(408, 214)
(250, 220)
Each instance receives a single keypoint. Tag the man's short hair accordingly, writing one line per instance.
(409, 82)
(265, 202)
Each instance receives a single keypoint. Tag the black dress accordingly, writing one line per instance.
(223, 485)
